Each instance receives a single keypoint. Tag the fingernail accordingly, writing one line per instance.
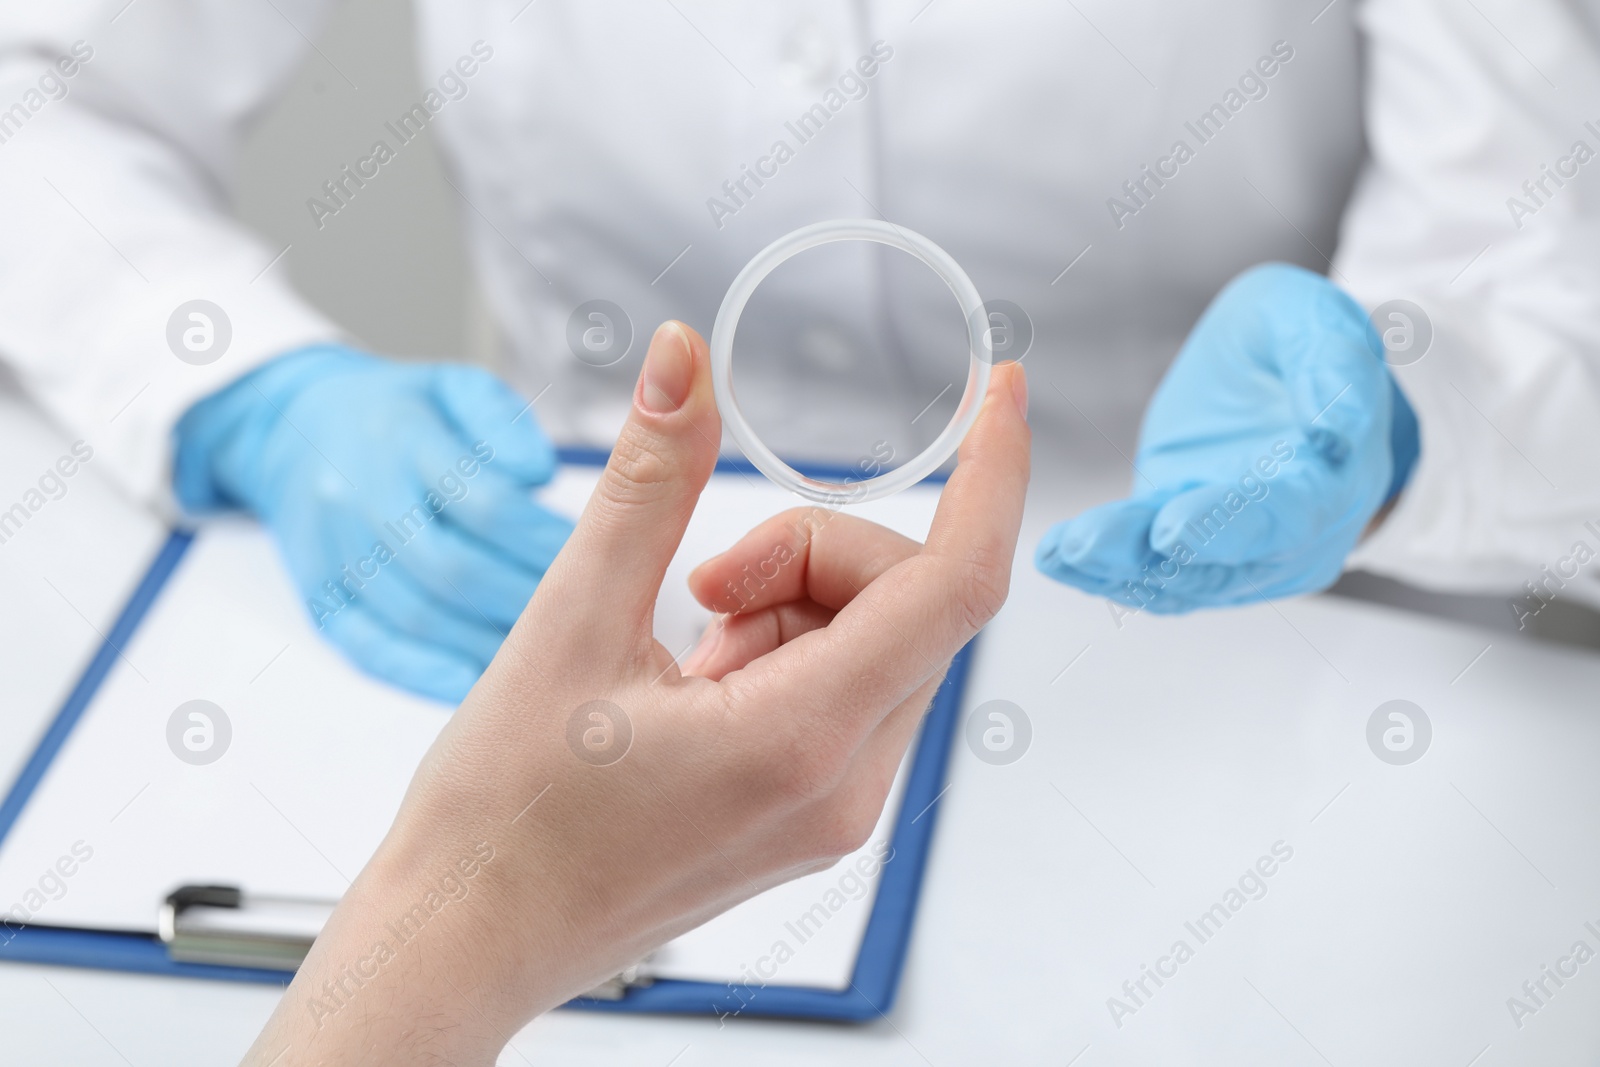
(668, 370)
(1019, 388)
(709, 641)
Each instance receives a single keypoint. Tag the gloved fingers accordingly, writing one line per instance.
(1342, 396)
(1322, 346)
(393, 475)
(479, 490)
(1302, 330)
(1177, 585)
(1104, 546)
(393, 598)
(1321, 568)
(458, 569)
(488, 413)
(437, 673)
(504, 515)
(1188, 577)
(1200, 586)
(1171, 589)
(1314, 568)
(1256, 520)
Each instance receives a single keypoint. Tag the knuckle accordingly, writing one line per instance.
(637, 472)
(982, 586)
(843, 829)
(808, 522)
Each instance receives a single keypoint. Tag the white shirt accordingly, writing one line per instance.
(606, 151)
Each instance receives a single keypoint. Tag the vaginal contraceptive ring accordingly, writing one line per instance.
(980, 345)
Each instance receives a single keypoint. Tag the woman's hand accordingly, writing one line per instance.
(589, 801)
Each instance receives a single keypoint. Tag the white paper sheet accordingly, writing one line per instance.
(320, 756)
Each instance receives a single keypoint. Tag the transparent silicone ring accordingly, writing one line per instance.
(943, 447)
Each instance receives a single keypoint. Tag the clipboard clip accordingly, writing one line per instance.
(222, 925)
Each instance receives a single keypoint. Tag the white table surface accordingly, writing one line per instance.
(1167, 756)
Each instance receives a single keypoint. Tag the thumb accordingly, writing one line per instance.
(635, 518)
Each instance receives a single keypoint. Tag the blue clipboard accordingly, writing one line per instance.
(879, 963)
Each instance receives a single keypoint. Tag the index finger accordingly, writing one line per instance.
(905, 626)
(804, 553)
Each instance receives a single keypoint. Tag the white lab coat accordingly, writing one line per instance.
(593, 143)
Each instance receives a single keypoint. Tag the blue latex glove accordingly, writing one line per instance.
(1275, 437)
(399, 495)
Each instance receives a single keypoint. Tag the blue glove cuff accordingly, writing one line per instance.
(1405, 441)
(234, 422)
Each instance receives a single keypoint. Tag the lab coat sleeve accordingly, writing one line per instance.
(1480, 203)
(113, 196)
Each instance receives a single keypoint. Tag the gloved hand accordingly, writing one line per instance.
(399, 495)
(1276, 436)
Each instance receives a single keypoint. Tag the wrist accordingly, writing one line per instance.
(528, 908)
(1405, 444)
(402, 974)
